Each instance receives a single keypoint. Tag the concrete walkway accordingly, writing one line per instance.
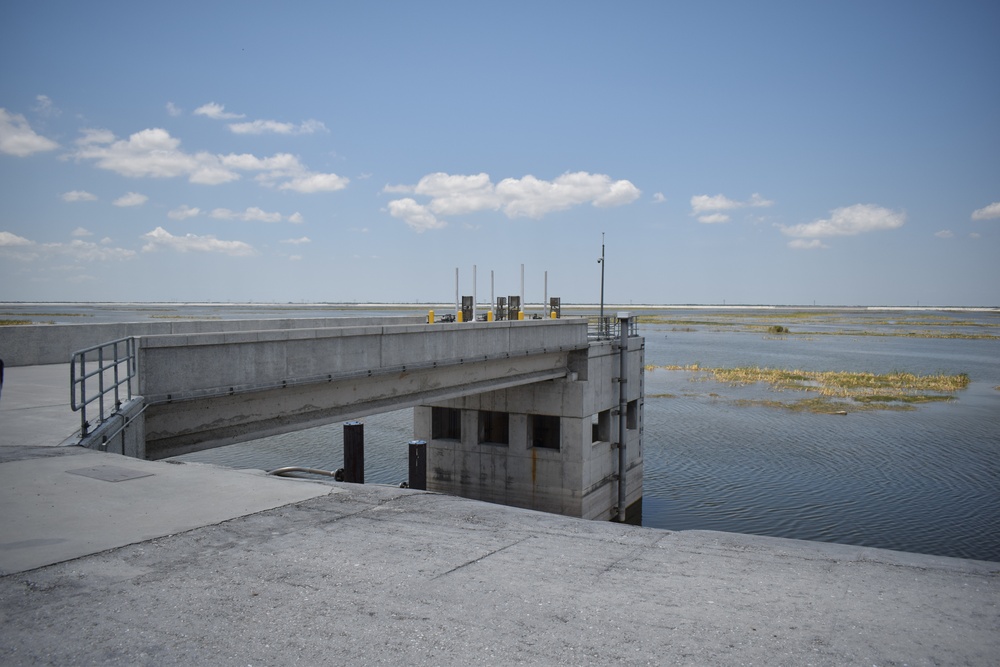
(114, 561)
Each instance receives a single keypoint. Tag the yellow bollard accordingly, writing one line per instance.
(552, 315)
(458, 316)
(430, 317)
(520, 315)
(489, 315)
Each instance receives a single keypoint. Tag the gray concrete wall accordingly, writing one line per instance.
(37, 345)
(578, 479)
(207, 390)
(123, 432)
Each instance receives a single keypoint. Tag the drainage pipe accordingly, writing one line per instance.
(622, 412)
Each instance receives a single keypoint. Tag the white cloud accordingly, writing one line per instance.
(131, 199)
(707, 208)
(161, 238)
(456, 194)
(658, 198)
(849, 221)
(87, 251)
(298, 241)
(944, 234)
(9, 239)
(413, 214)
(295, 258)
(174, 110)
(154, 153)
(804, 244)
(77, 195)
(76, 250)
(183, 212)
(275, 127)
(45, 107)
(308, 183)
(151, 153)
(296, 218)
(18, 139)
(987, 212)
(533, 198)
(216, 111)
(974, 235)
(278, 164)
(252, 214)
(81, 231)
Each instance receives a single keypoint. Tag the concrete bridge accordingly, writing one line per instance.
(525, 413)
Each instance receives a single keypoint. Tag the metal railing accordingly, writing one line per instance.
(108, 365)
(609, 328)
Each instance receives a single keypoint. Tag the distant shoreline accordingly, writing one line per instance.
(440, 305)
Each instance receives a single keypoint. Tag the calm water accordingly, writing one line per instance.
(926, 480)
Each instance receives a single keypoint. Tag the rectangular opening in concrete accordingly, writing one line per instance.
(543, 431)
(632, 415)
(494, 428)
(601, 427)
(446, 424)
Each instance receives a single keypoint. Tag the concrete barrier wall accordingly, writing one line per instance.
(37, 345)
(191, 364)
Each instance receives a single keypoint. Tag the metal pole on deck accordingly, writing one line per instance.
(600, 321)
(622, 413)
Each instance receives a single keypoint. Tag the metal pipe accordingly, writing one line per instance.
(622, 412)
(313, 471)
(475, 292)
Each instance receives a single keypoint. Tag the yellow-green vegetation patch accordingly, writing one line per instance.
(13, 323)
(859, 390)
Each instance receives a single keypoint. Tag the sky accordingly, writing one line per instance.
(799, 153)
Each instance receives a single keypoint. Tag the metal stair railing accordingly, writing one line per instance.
(111, 366)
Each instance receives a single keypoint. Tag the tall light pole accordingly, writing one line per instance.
(600, 322)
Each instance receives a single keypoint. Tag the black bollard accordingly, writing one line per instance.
(418, 464)
(354, 452)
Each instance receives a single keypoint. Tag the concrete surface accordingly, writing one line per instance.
(34, 406)
(377, 575)
(57, 508)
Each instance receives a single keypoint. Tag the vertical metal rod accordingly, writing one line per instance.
(354, 452)
(523, 303)
(457, 302)
(545, 303)
(493, 299)
(475, 293)
(600, 322)
(418, 464)
(100, 380)
(622, 413)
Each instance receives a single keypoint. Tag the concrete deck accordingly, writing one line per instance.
(116, 561)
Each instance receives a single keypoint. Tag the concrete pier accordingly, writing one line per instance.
(259, 570)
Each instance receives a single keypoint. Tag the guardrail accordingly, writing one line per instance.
(609, 328)
(113, 364)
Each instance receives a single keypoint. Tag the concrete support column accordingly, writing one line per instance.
(354, 452)
(418, 465)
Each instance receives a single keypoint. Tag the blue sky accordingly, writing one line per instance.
(841, 153)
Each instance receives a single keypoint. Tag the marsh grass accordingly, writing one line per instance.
(14, 323)
(837, 390)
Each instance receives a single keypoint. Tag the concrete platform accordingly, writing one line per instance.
(193, 564)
